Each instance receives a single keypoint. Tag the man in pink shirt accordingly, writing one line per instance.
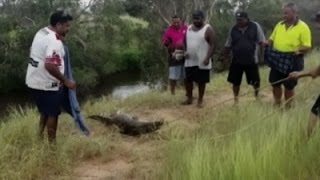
(173, 39)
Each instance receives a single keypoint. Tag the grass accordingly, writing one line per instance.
(271, 148)
(249, 141)
(24, 156)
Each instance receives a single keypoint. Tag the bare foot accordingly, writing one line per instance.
(200, 104)
(236, 100)
(277, 104)
(187, 102)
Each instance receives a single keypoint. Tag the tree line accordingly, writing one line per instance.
(113, 36)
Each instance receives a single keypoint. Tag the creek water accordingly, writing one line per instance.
(120, 86)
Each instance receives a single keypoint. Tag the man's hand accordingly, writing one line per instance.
(298, 52)
(226, 61)
(314, 73)
(265, 43)
(167, 42)
(295, 75)
(186, 55)
(70, 84)
(206, 61)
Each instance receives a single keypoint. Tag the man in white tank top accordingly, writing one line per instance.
(199, 44)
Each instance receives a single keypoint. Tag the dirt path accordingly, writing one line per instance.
(137, 157)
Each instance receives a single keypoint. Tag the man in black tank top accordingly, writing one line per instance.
(243, 41)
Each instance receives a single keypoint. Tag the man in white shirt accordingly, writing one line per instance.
(199, 44)
(45, 73)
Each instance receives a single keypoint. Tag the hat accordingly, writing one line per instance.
(242, 15)
(198, 14)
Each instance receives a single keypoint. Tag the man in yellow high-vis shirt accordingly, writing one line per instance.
(291, 36)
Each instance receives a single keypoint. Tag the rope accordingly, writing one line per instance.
(249, 92)
(272, 113)
(254, 123)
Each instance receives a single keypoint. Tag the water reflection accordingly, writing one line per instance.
(125, 91)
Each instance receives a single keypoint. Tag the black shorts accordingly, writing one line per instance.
(48, 102)
(200, 76)
(316, 107)
(276, 76)
(251, 71)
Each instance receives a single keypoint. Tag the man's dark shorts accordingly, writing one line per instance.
(276, 76)
(251, 70)
(200, 76)
(48, 102)
(316, 107)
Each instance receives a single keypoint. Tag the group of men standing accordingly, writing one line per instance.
(283, 52)
(190, 50)
(196, 44)
(289, 41)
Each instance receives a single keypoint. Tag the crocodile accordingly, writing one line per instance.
(129, 125)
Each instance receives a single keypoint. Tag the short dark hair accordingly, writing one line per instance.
(317, 18)
(60, 16)
(198, 13)
(175, 17)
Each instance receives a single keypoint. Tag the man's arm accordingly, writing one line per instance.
(313, 73)
(261, 39)
(53, 69)
(210, 37)
(186, 55)
(185, 42)
(305, 38)
(165, 40)
(303, 50)
(270, 41)
(260, 35)
(227, 48)
(52, 63)
(55, 72)
(226, 52)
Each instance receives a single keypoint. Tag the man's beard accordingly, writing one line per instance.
(198, 24)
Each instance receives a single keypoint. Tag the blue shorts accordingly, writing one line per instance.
(176, 72)
(48, 102)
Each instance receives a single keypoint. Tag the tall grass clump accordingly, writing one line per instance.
(257, 148)
(250, 141)
(24, 156)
